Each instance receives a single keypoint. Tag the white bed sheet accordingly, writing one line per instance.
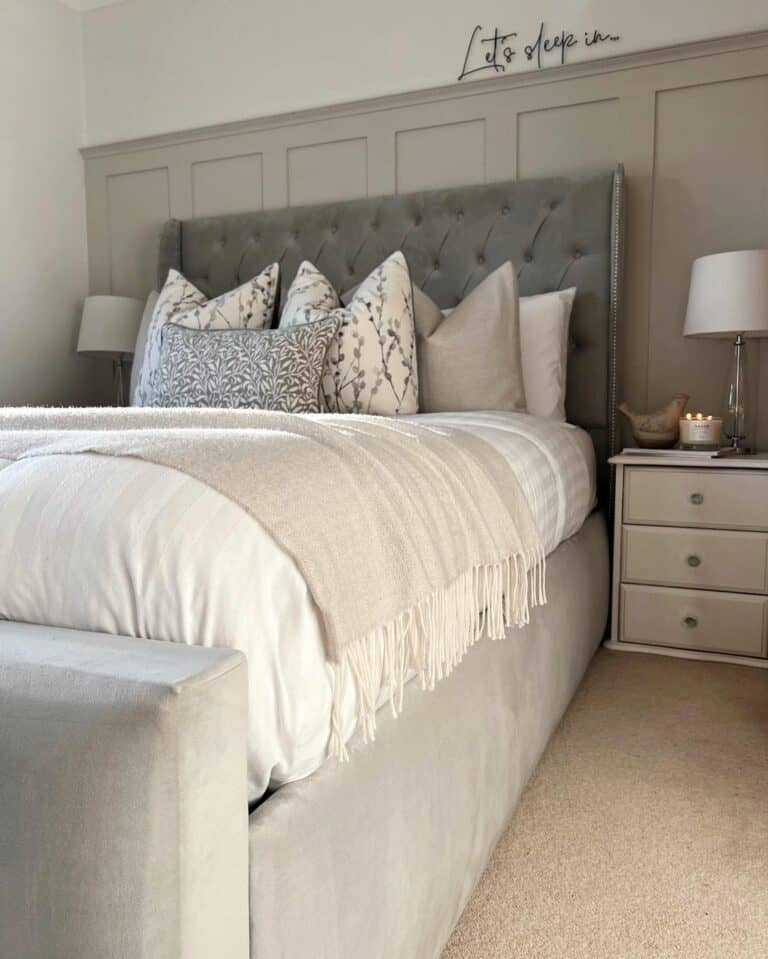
(129, 547)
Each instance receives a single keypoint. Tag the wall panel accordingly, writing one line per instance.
(710, 195)
(322, 172)
(227, 185)
(690, 125)
(574, 138)
(451, 154)
(137, 204)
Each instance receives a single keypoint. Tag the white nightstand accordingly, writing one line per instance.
(690, 562)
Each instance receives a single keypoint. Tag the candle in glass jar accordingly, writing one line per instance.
(698, 431)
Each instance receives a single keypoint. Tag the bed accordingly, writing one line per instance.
(375, 856)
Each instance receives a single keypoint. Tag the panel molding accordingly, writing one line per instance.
(333, 189)
(228, 163)
(131, 262)
(566, 165)
(438, 131)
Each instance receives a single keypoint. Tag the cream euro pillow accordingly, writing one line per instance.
(544, 323)
(469, 357)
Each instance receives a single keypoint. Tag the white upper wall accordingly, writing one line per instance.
(43, 262)
(154, 66)
(89, 4)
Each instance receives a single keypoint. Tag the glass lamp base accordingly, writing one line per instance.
(735, 419)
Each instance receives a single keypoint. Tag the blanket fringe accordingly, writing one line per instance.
(433, 637)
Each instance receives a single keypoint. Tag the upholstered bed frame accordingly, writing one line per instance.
(124, 827)
(560, 232)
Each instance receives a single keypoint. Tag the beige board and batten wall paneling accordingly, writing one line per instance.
(690, 124)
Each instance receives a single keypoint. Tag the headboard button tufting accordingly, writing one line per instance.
(453, 238)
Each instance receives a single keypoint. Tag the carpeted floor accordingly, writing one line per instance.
(644, 831)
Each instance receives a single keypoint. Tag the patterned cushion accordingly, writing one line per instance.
(371, 365)
(249, 307)
(266, 370)
(309, 292)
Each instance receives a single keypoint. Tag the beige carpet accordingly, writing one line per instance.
(644, 831)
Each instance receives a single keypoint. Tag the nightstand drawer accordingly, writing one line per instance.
(694, 619)
(724, 499)
(704, 559)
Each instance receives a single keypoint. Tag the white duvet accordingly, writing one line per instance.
(125, 546)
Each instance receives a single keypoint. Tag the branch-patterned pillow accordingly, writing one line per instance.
(309, 292)
(255, 369)
(371, 364)
(249, 307)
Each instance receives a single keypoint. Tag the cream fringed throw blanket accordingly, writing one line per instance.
(413, 540)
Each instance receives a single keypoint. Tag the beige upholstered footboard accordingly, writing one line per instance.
(123, 806)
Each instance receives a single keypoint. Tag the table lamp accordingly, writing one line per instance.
(728, 299)
(110, 324)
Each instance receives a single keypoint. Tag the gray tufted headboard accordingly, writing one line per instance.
(559, 232)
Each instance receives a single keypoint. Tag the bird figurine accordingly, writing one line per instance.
(659, 430)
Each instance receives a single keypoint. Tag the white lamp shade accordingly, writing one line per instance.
(110, 324)
(729, 295)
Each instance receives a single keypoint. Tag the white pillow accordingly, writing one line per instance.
(249, 307)
(544, 322)
(371, 364)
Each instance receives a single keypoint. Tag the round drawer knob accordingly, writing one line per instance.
(694, 561)
(690, 622)
(696, 498)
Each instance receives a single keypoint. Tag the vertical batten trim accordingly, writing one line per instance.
(617, 265)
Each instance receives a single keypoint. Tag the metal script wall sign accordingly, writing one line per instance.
(495, 51)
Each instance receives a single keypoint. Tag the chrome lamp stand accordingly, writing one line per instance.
(118, 373)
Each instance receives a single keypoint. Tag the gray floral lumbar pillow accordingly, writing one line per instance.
(249, 307)
(266, 370)
(371, 364)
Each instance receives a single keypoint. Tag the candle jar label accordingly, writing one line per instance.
(700, 433)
